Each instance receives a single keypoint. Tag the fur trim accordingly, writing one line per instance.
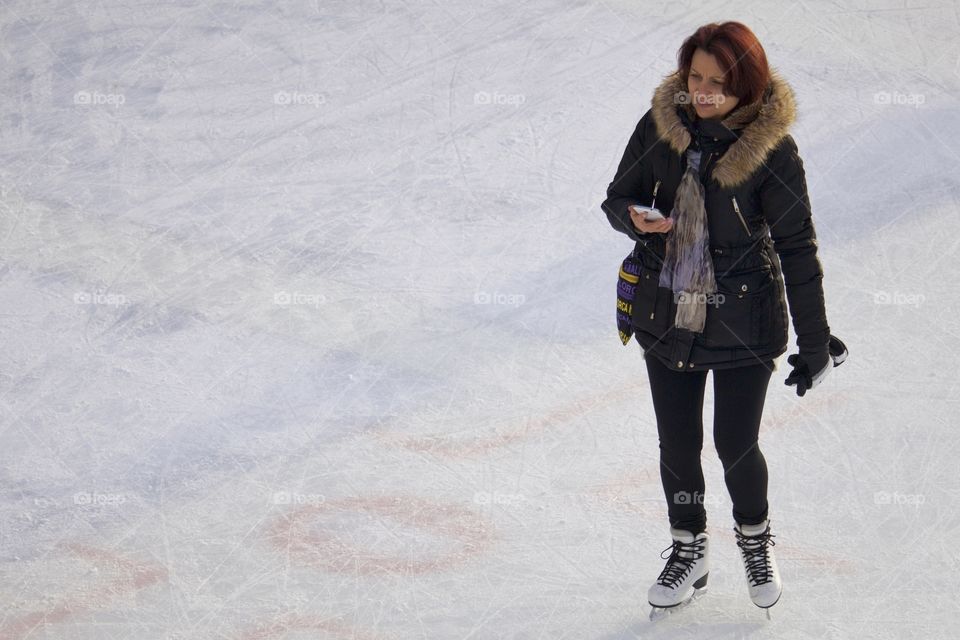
(764, 124)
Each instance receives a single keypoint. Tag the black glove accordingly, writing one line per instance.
(811, 367)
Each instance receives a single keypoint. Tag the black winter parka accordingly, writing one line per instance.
(762, 236)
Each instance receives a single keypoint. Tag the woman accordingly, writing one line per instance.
(707, 285)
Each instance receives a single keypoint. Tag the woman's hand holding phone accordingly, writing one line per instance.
(647, 220)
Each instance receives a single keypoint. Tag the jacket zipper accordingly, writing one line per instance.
(656, 188)
(736, 208)
(705, 166)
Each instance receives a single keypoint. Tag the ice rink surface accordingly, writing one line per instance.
(307, 314)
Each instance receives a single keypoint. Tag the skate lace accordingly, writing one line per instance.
(678, 566)
(756, 557)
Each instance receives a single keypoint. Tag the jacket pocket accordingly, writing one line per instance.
(743, 221)
(741, 313)
(653, 307)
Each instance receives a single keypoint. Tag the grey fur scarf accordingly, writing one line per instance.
(687, 267)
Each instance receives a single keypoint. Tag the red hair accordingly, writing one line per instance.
(739, 54)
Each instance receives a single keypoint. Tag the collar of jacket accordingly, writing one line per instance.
(754, 130)
(708, 136)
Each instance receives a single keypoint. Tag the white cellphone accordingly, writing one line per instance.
(650, 214)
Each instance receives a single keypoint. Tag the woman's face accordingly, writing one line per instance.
(705, 84)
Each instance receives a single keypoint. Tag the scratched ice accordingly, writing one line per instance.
(307, 313)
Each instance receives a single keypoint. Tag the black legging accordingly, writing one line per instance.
(738, 405)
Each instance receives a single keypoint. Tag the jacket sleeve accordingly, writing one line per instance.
(625, 188)
(786, 207)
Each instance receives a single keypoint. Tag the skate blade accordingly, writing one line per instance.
(659, 613)
(770, 606)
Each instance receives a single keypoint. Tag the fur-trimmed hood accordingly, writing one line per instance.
(764, 124)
